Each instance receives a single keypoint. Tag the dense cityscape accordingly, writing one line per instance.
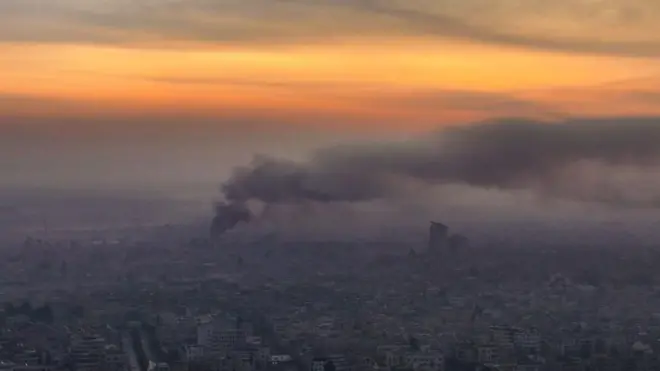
(238, 303)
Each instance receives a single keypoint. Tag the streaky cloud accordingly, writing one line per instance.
(285, 22)
(447, 26)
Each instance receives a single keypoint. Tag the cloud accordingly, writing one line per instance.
(637, 96)
(9, 100)
(644, 96)
(619, 27)
(475, 102)
(11, 105)
(448, 26)
(412, 100)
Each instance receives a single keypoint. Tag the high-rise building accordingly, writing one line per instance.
(438, 237)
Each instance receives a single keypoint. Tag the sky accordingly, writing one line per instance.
(99, 92)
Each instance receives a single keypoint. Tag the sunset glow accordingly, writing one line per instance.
(384, 66)
(405, 76)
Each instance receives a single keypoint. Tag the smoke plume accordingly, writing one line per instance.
(227, 216)
(606, 161)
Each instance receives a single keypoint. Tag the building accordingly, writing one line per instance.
(115, 359)
(438, 238)
(331, 363)
(88, 353)
(504, 336)
(487, 354)
(192, 353)
(161, 366)
(529, 340)
(218, 336)
(426, 361)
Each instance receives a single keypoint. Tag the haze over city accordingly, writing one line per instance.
(329, 185)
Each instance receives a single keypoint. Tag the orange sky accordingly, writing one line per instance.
(393, 81)
(407, 66)
(196, 86)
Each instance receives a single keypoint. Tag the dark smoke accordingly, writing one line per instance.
(509, 155)
(227, 216)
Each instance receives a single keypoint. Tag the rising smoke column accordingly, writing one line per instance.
(514, 154)
(227, 216)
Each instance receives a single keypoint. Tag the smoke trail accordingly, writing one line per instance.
(227, 216)
(515, 154)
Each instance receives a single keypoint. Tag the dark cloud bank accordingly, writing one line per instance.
(611, 162)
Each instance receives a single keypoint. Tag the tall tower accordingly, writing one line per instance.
(438, 238)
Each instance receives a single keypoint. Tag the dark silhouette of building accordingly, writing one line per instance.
(438, 238)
